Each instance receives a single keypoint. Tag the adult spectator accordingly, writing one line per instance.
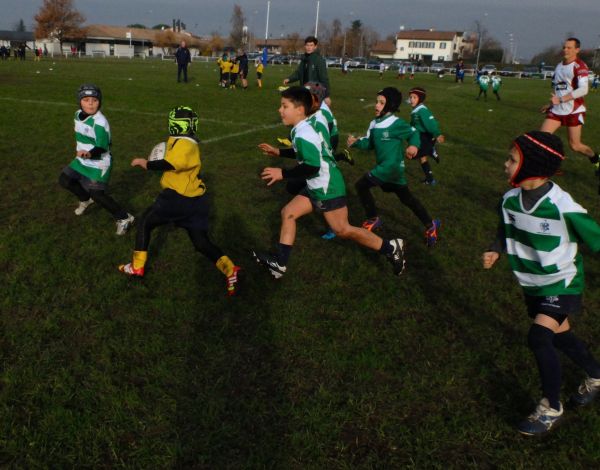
(242, 59)
(183, 58)
(566, 107)
(312, 67)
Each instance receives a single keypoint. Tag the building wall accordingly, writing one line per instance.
(419, 49)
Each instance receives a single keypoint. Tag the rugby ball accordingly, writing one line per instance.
(158, 152)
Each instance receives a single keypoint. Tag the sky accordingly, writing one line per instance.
(533, 24)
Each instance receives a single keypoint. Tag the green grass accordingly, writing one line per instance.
(338, 365)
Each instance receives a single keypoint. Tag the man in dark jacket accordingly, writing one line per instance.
(312, 67)
(183, 58)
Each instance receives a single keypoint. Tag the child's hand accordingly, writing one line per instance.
(269, 150)
(411, 151)
(271, 175)
(544, 109)
(141, 162)
(489, 258)
(83, 154)
(440, 139)
(351, 139)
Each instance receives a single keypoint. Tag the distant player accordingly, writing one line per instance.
(566, 108)
(381, 69)
(496, 83)
(182, 200)
(459, 72)
(88, 174)
(386, 135)
(324, 191)
(428, 127)
(260, 67)
(484, 83)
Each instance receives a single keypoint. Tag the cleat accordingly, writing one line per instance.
(131, 271)
(346, 157)
(124, 224)
(596, 168)
(233, 282)
(587, 392)
(372, 224)
(329, 235)
(430, 182)
(397, 256)
(435, 155)
(431, 234)
(542, 420)
(270, 261)
(83, 205)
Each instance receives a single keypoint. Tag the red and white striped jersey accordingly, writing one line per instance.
(566, 79)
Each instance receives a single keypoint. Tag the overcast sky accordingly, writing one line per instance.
(534, 24)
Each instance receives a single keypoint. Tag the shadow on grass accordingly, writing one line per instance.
(232, 400)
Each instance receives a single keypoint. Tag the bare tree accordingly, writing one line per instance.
(58, 19)
(166, 40)
(19, 26)
(215, 42)
(237, 26)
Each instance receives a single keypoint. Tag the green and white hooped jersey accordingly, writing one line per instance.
(331, 120)
(311, 149)
(94, 131)
(542, 243)
(319, 123)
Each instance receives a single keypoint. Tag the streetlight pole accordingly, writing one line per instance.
(317, 20)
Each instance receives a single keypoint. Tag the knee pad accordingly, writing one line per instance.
(539, 337)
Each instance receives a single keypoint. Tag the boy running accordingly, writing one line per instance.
(88, 174)
(484, 83)
(182, 200)
(540, 228)
(386, 134)
(324, 190)
(429, 129)
(496, 84)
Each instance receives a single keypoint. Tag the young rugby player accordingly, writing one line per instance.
(540, 228)
(386, 134)
(88, 173)
(182, 200)
(324, 190)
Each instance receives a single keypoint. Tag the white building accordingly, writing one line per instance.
(426, 45)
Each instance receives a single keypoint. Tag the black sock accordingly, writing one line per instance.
(540, 342)
(386, 248)
(427, 170)
(283, 253)
(594, 159)
(577, 351)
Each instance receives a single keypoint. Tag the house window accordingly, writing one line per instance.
(402, 48)
(442, 45)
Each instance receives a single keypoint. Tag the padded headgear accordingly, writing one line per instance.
(89, 89)
(393, 98)
(317, 89)
(541, 155)
(183, 121)
(420, 92)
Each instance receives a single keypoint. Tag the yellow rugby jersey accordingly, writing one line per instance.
(235, 68)
(226, 65)
(183, 153)
(260, 68)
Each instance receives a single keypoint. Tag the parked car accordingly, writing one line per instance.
(531, 72)
(436, 67)
(488, 68)
(358, 62)
(333, 61)
(507, 71)
(373, 64)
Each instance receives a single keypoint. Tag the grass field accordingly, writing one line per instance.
(338, 365)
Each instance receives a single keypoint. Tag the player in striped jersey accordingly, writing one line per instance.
(88, 173)
(540, 228)
(324, 190)
(386, 135)
(566, 107)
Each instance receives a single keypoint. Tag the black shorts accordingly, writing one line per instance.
(259, 75)
(84, 181)
(427, 148)
(185, 212)
(327, 205)
(554, 306)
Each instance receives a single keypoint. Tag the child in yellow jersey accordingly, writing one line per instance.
(226, 71)
(235, 70)
(259, 71)
(182, 199)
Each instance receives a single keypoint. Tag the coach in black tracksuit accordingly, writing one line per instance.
(183, 58)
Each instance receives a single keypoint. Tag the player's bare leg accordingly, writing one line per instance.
(575, 143)
(292, 211)
(550, 125)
